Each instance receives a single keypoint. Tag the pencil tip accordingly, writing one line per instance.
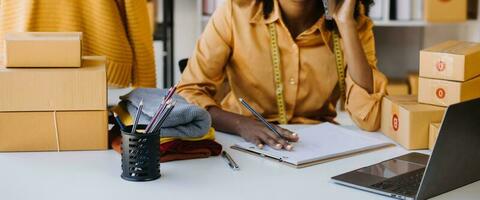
(240, 99)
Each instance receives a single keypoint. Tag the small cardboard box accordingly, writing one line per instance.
(53, 131)
(43, 49)
(445, 10)
(413, 83)
(451, 60)
(42, 89)
(433, 134)
(445, 93)
(407, 122)
(397, 87)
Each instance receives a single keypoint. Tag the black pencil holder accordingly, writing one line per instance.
(140, 155)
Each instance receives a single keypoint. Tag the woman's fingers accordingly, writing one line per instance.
(278, 138)
(258, 142)
(287, 134)
(269, 141)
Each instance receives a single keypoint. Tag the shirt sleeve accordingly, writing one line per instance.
(205, 72)
(363, 107)
(141, 41)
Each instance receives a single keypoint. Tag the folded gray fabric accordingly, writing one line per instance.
(185, 121)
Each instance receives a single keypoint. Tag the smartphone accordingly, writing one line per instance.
(329, 6)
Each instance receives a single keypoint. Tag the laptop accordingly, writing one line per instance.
(454, 162)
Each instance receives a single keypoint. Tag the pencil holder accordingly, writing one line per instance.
(140, 155)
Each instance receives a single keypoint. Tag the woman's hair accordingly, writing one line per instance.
(268, 8)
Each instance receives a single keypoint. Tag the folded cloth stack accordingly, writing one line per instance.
(186, 133)
(172, 149)
(186, 120)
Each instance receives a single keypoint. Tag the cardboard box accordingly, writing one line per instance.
(43, 49)
(397, 87)
(445, 10)
(407, 122)
(434, 130)
(445, 93)
(451, 60)
(37, 131)
(413, 83)
(42, 89)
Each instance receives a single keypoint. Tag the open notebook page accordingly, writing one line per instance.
(320, 142)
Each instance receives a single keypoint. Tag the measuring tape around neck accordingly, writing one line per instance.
(337, 49)
(277, 74)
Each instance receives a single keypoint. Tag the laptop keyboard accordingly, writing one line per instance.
(405, 185)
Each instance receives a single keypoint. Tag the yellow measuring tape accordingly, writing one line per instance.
(337, 49)
(277, 75)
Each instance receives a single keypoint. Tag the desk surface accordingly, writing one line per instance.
(96, 175)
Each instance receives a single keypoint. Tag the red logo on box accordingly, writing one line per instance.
(440, 92)
(395, 122)
(441, 66)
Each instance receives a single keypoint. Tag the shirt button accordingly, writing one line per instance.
(292, 81)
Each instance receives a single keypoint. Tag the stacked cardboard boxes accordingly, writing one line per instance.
(446, 10)
(52, 98)
(449, 74)
(407, 122)
(397, 87)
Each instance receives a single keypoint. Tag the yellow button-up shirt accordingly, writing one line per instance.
(233, 58)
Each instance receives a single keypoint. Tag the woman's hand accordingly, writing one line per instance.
(255, 132)
(251, 130)
(343, 11)
(358, 66)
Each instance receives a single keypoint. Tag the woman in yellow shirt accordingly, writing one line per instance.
(233, 58)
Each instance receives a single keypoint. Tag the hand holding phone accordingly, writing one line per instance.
(339, 10)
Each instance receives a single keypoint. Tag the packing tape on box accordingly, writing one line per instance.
(460, 47)
(442, 64)
(56, 129)
(395, 121)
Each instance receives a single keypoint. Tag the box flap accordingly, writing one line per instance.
(29, 36)
(455, 47)
(410, 103)
(48, 89)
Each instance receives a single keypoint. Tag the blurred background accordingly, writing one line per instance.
(402, 29)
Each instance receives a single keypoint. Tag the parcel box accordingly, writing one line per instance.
(53, 131)
(433, 134)
(42, 89)
(445, 93)
(397, 87)
(43, 49)
(445, 10)
(407, 122)
(413, 83)
(451, 60)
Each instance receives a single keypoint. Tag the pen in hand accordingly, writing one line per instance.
(264, 121)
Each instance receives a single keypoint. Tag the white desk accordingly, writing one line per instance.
(96, 175)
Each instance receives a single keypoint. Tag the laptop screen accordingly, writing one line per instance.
(390, 168)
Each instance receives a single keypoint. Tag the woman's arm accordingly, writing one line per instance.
(366, 86)
(252, 130)
(358, 67)
(205, 74)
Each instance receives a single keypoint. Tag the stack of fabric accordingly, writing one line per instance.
(186, 133)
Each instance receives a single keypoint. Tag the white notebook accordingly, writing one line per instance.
(318, 144)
